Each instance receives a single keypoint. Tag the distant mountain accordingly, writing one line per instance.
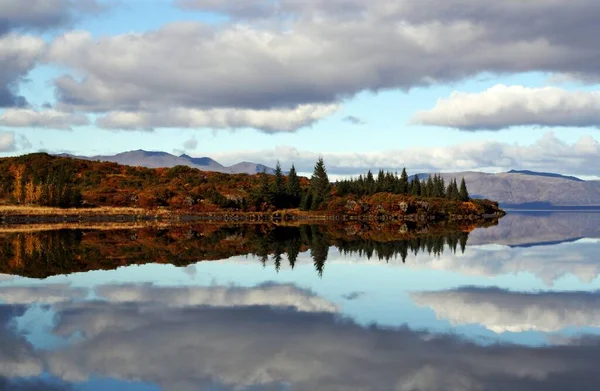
(545, 174)
(153, 159)
(526, 229)
(531, 189)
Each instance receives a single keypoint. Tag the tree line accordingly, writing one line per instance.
(282, 192)
(55, 188)
(433, 186)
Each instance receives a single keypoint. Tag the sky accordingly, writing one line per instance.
(431, 85)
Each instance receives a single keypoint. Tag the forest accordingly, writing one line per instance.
(46, 180)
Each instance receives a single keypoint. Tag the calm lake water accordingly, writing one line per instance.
(511, 307)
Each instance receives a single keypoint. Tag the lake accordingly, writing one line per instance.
(515, 306)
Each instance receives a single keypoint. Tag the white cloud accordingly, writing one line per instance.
(7, 141)
(46, 294)
(548, 154)
(29, 118)
(259, 347)
(268, 121)
(277, 295)
(281, 55)
(503, 107)
(504, 311)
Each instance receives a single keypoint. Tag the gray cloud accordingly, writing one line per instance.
(548, 154)
(191, 143)
(239, 348)
(17, 356)
(240, 66)
(354, 120)
(18, 55)
(500, 310)
(52, 119)
(353, 295)
(7, 142)
(43, 14)
(502, 107)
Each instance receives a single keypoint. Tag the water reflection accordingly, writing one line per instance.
(386, 309)
(46, 253)
(195, 346)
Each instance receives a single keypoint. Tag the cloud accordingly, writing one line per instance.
(7, 142)
(268, 121)
(354, 120)
(261, 347)
(46, 294)
(500, 310)
(548, 154)
(17, 356)
(353, 295)
(281, 55)
(275, 295)
(42, 15)
(191, 143)
(502, 107)
(18, 55)
(29, 118)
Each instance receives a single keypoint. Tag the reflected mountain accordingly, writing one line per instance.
(539, 228)
(42, 254)
(159, 338)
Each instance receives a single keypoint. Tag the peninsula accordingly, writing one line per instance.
(45, 188)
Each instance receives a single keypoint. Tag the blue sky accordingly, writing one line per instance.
(546, 118)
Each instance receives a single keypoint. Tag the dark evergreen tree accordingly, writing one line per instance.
(320, 185)
(294, 191)
(403, 189)
(415, 186)
(463, 193)
(452, 190)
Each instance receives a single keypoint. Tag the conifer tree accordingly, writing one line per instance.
(429, 186)
(463, 193)
(452, 190)
(264, 190)
(320, 186)
(415, 188)
(294, 191)
(403, 188)
(278, 185)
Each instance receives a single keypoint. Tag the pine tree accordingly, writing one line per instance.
(319, 184)
(370, 183)
(463, 193)
(415, 188)
(380, 186)
(452, 190)
(430, 187)
(278, 185)
(403, 188)
(264, 190)
(294, 191)
(278, 189)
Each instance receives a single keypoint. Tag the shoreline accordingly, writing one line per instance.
(23, 215)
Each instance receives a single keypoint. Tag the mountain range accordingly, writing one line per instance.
(515, 188)
(531, 189)
(152, 159)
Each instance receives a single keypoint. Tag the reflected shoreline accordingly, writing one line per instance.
(44, 253)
